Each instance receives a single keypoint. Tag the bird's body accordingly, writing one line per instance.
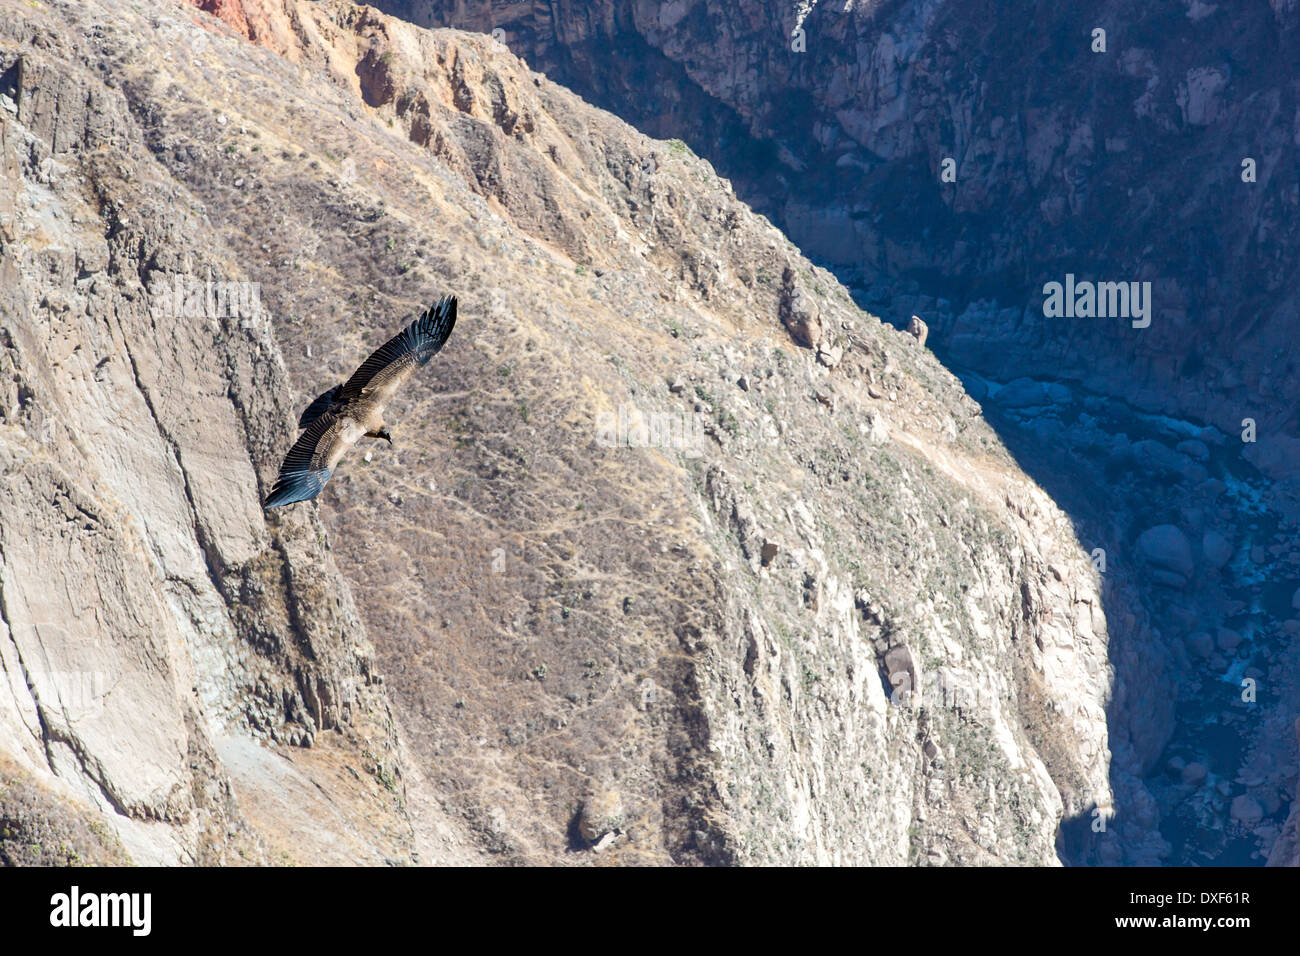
(340, 417)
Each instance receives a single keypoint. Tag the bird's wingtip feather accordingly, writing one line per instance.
(296, 486)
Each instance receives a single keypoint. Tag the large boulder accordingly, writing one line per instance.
(602, 813)
(901, 669)
(1246, 810)
(1157, 458)
(800, 313)
(1193, 448)
(1027, 393)
(1166, 549)
(1216, 548)
(919, 329)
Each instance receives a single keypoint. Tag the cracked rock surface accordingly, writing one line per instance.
(643, 562)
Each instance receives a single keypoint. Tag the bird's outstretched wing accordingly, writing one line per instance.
(310, 462)
(323, 403)
(393, 362)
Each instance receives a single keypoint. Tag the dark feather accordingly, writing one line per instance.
(319, 407)
(421, 340)
(299, 479)
(296, 486)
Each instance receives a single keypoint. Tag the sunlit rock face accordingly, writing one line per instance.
(971, 163)
(678, 556)
(951, 158)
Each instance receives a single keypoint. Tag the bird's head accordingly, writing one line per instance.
(386, 436)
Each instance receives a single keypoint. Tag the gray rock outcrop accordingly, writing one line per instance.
(555, 616)
(1169, 553)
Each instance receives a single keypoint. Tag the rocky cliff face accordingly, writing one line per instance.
(173, 667)
(679, 556)
(950, 159)
(1115, 158)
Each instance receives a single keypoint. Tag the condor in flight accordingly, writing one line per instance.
(335, 421)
